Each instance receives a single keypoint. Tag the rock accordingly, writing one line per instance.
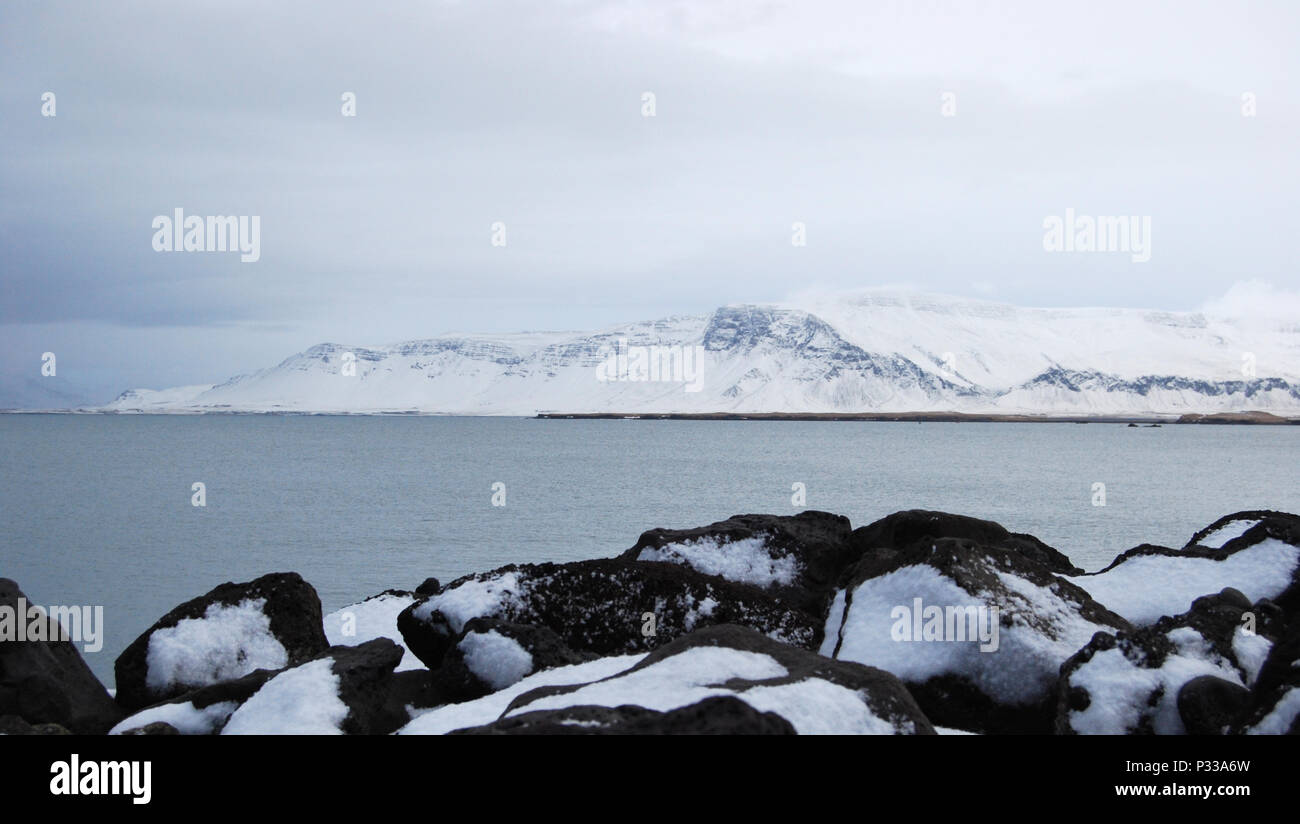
(343, 690)
(375, 617)
(605, 607)
(269, 623)
(156, 728)
(13, 725)
(913, 527)
(1275, 700)
(203, 711)
(799, 557)
(1133, 681)
(1208, 705)
(1258, 555)
(429, 587)
(978, 633)
(491, 654)
(720, 715)
(48, 681)
(814, 695)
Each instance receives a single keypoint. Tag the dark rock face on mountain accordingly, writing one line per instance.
(47, 681)
(172, 657)
(917, 526)
(758, 624)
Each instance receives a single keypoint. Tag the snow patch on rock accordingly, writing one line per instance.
(228, 642)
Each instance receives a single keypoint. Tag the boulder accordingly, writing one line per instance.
(798, 557)
(604, 607)
(978, 633)
(491, 654)
(47, 681)
(720, 715)
(1189, 673)
(269, 623)
(375, 617)
(344, 690)
(201, 712)
(911, 527)
(1258, 554)
(666, 691)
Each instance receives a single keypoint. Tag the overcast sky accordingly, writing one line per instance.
(377, 228)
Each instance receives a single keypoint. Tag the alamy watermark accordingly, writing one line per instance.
(214, 233)
(1104, 233)
(956, 624)
(30, 622)
(667, 364)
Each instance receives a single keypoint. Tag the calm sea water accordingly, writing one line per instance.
(97, 509)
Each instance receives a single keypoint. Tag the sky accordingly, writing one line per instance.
(919, 144)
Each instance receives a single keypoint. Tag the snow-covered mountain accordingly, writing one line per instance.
(878, 350)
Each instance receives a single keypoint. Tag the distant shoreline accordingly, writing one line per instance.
(1221, 418)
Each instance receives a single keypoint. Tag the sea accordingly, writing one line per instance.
(100, 510)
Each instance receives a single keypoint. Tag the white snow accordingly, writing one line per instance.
(1225, 533)
(300, 701)
(485, 710)
(1146, 587)
(1281, 717)
(1251, 650)
(747, 561)
(184, 716)
(815, 706)
(372, 618)
(992, 349)
(834, 620)
(1121, 691)
(473, 599)
(497, 660)
(228, 642)
(673, 682)
(1022, 669)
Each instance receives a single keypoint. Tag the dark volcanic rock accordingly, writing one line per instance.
(721, 715)
(1209, 705)
(605, 607)
(811, 548)
(492, 654)
(13, 725)
(48, 681)
(156, 728)
(431, 586)
(1169, 677)
(1002, 682)
(290, 606)
(819, 694)
(918, 526)
(365, 683)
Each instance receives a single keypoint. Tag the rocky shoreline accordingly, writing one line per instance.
(921, 622)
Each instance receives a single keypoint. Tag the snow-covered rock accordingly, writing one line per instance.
(978, 633)
(491, 654)
(605, 607)
(269, 623)
(1133, 681)
(375, 617)
(725, 679)
(1258, 554)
